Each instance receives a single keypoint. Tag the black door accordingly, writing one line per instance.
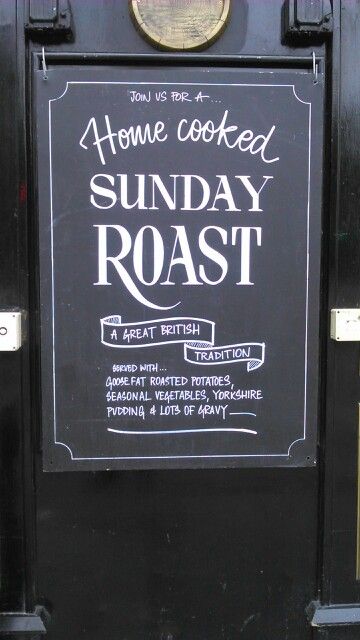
(161, 549)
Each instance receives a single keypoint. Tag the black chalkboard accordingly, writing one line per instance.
(179, 219)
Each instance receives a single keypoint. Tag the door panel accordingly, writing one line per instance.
(178, 554)
(163, 554)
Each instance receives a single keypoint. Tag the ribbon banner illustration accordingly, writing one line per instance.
(196, 334)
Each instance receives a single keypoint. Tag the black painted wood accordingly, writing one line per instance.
(171, 554)
(342, 423)
(149, 554)
(16, 501)
(177, 554)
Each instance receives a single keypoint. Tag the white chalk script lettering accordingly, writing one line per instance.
(107, 140)
(132, 136)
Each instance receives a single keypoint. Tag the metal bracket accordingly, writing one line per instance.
(307, 21)
(21, 625)
(333, 615)
(49, 20)
(11, 330)
(345, 325)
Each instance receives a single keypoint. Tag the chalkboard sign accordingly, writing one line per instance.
(179, 222)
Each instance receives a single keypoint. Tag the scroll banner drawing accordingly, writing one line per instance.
(197, 335)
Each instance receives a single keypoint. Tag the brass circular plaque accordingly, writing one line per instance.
(180, 25)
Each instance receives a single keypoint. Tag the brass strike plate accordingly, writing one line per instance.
(180, 25)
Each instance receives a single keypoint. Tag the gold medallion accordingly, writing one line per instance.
(180, 25)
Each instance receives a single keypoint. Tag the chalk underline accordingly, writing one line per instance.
(180, 431)
(241, 413)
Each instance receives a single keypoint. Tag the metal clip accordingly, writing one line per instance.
(11, 334)
(43, 64)
(315, 68)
